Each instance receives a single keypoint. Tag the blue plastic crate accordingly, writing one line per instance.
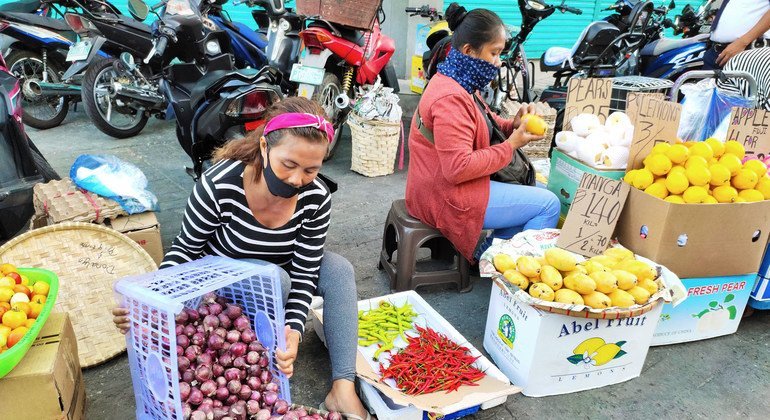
(154, 300)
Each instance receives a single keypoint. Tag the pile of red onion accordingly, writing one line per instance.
(224, 370)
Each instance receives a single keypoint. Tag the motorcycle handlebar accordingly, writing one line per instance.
(410, 9)
(160, 46)
(569, 9)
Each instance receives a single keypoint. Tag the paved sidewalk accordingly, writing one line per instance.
(726, 377)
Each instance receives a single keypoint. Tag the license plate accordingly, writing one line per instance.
(79, 51)
(306, 74)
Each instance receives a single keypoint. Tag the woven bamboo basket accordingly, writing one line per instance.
(353, 13)
(375, 144)
(88, 259)
(539, 148)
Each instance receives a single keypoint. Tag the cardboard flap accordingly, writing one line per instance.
(655, 121)
(590, 96)
(134, 222)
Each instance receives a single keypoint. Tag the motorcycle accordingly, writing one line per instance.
(22, 166)
(336, 60)
(691, 23)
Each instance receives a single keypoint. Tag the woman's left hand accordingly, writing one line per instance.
(286, 358)
(525, 109)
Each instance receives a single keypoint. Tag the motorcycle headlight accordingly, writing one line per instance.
(212, 47)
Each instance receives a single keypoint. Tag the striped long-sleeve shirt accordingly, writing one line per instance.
(218, 221)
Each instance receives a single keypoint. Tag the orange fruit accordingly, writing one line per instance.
(534, 124)
(41, 288)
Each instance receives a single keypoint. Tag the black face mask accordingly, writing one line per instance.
(274, 184)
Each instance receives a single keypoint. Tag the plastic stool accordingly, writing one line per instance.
(406, 234)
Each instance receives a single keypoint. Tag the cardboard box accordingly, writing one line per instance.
(144, 229)
(565, 176)
(539, 351)
(696, 240)
(714, 307)
(51, 372)
(491, 391)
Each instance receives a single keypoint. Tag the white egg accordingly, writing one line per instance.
(615, 157)
(567, 141)
(582, 124)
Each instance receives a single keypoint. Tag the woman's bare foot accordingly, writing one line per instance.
(343, 398)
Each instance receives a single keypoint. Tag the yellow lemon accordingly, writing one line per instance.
(674, 199)
(695, 195)
(716, 145)
(568, 296)
(678, 169)
(710, 200)
(657, 190)
(696, 160)
(732, 162)
(630, 175)
(643, 179)
(751, 195)
(734, 148)
(725, 194)
(698, 175)
(720, 175)
(678, 153)
(676, 183)
(660, 148)
(745, 179)
(757, 166)
(658, 164)
(763, 186)
(702, 149)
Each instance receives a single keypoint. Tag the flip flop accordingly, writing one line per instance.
(348, 416)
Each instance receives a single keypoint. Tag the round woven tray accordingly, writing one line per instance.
(88, 259)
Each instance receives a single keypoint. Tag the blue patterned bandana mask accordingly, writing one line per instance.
(471, 73)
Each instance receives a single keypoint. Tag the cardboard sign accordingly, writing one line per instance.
(750, 128)
(655, 121)
(594, 213)
(590, 96)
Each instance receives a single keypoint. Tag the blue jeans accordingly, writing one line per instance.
(515, 208)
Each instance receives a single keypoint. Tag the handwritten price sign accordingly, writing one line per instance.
(655, 121)
(589, 96)
(593, 215)
(750, 128)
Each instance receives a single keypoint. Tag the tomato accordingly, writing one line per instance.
(14, 318)
(35, 309)
(7, 268)
(29, 322)
(6, 293)
(3, 310)
(22, 306)
(15, 276)
(16, 336)
(41, 288)
(38, 299)
(20, 288)
(7, 282)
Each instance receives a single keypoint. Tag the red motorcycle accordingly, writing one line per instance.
(335, 59)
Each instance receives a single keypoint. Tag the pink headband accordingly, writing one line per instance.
(296, 120)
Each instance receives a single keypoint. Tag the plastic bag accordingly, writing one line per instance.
(699, 121)
(111, 177)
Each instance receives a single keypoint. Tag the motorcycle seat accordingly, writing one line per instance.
(22, 6)
(557, 58)
(664, 45)
(353, 35)
(198, 92)
(56, 25)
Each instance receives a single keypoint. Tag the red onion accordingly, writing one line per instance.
(244, 393)
(301, 412)
(207, 408)
(225, 347)
(217, 403)
(196, 396)
(208, 401)
(248, 336)
(252, 407)
(272, 386)
(232, 374)
(281, 406)
(209, 297)
(189, 330)
(253, 382)
(188, 376)
(198, 415)
(241, 323)
(234, 386)
(199, 328)
(184, 390)
(222, 394)
(239, 362)
(203, 311)
(226, 360)
(203, 373)
(182, 340)
(221, 300)
(224, 321)
(291, 415)
(215, 342)
(179, 329)
(238, 412)
(179, 351)
(183, 363)
(255, 395)
(242, 375)
(182, 318)
(233, 311)
(233, 336)
(334, 416)
(221, 381)
(263, 361)
(254, 370)
(220, 412)
(192, 315)
(263, 414)
(192, 352)
(232, 399)
(205, 359)
(215, 309)
(217, 370)
(238, 349)
(186, 411)
(256, 346)
(270, 397)
(198, 339)
(265, 377)
(220, 332)
(227, 417)
(209, 388)
(210, 322)
(252, 358)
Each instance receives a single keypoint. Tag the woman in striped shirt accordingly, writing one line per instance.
(263, 201)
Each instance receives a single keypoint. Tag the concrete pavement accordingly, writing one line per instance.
(726, 377)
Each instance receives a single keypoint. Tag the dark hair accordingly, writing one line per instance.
(477, 27)
(247, 149)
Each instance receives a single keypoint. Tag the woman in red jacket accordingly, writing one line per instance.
(448, 185)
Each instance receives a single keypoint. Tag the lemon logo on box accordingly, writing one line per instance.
(506, 330)
(595, 352)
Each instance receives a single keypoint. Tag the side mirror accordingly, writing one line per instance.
(672, 5)
(138, 9)
(128, 60)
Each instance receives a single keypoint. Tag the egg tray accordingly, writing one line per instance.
(62, 201)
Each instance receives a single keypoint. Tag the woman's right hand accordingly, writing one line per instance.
(120, 318)
(520, 137)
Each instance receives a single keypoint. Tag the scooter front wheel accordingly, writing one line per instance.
(38, 111)
(115, 119)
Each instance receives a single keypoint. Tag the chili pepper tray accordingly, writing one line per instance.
(389, 402)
